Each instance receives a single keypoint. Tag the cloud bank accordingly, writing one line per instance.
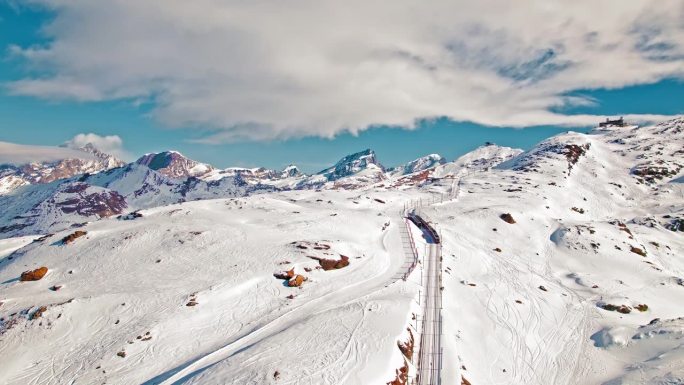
(267, 70)
(18, 154)
(110, 144)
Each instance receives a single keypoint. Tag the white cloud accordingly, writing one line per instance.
(279, 69)
(18, 154)
(110, 144)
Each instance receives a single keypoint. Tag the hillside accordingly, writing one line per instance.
(542, 300)
(194, 283)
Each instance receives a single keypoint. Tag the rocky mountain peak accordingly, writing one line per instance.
(290, 171)
(352, 164)
(108, 161)
(173, 164)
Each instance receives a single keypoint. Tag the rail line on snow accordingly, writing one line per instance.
(429, 365)
(430, 350)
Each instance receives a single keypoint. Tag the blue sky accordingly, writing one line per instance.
(29, 118)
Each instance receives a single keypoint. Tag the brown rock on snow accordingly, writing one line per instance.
(293, 280)
(321, 246)
(407, 347)
(34, 275)
(73, 236)
(508, 218)
(38, 313)
(332, 264)
(637, 250)
(296, 281)
(624, 309)
(285, 274)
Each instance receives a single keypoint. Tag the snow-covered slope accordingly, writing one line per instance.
(10, 181)
(541, 300)
(186, 294)
(480, 159)
(56, 206)
(434, 171)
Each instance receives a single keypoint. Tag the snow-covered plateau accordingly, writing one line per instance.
(563, 264)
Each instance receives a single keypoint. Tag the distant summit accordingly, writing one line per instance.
(13, 176)
(173, 164)
(290, 172)
(420, 164)
(106, 160)
(351, 165)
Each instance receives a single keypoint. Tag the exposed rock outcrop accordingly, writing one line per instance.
(293, 279)
(508, 218)
(296, 281)
(73, 236)
(332, 264)
(34, 275)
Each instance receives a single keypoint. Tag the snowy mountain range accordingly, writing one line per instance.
(561, 264)
(46, 197)
(52, 195)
